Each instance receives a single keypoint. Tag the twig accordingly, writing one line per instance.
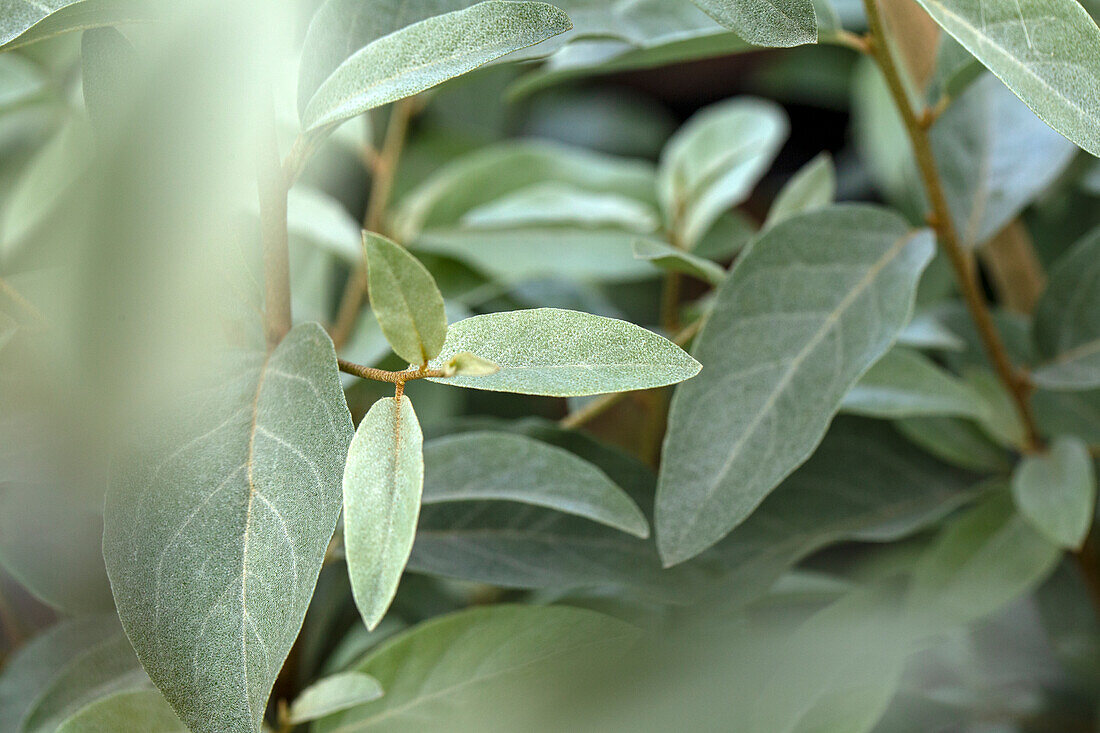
(381, 375)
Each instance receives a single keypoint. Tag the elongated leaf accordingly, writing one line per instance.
(215, 535)
(319, 219)
(812, 187)
(1056, 492)
(405, 300)
(906, 384)
(677, 260)
(784, 23)
(383, 481)
(958, 442)
(995, 157)
(563, 353)
(1067, 320)
(424, 54)
(1046, 51)
(805, 312)
(334, 694)
(702, 174)
(926, 331)
(144, 710)
(485, 466)
(443, 674)
(26, 21)
(551, 204)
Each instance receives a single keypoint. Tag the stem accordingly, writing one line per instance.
(381, 375)
(274, 185)
(385, 168)
(940, 219)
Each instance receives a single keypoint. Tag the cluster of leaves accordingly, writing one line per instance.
(849, 473)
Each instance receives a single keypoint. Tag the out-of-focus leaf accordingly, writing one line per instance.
(426, 53)
(215, 531)
(20, 80)
(405, 300)
(27, 21)
(805, 312)
(783, 24)
(905, 383)
(1047, 53)
(1056, 491)
(1000, 420)
(1067, 320)
(549, 204)
(925, 331)
(108, 64)
(957, 441)
(144, 710)
(383, 481)
(995, 156)
(334, 694)
(465, 364)
(677, 260)
(562, 353)
(321, 220)
(702, 174)
(489, 466)
(812, 187)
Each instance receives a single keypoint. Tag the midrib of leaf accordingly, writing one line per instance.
(796, 362)
(393, 486)
(717, 170)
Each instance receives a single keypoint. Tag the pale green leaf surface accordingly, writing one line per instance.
(1046, 51)
(405, 300)
(805, 312)
(321, 220)
(136, 710)
(215, 534)
(925, 331)
(782, 23)
(419, 56)
(904, 383)
(27, 21)
(484, 466)
(812, 187)
(1067, 320)
(383, 481)
(563, 353)
(444, 673)
(1056, 491)
(107, 65)
(333, 694)
(677, 260)
(956, 441)
(714, 160)
(1001, 419)
(20, 80)
(556, 204)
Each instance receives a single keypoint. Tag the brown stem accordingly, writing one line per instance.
(940, 219)
(381, 375)
(385, 168)
(273, 185)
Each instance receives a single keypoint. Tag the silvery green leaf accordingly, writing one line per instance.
(405, 300)
(807, 309)
(925, 331)
(812, 187)
(319, 219)
(556, 204)
(215, 532)
(563, 353)
(489, 466)
(702, 174)
(1075, 413)
(1001, 419)
(995, 157)
(465, 364)
(983, 560)
(677, 260)
(421, 55)
(334, 694)
(1067, 320)
(1056, 491)
(446, 673)
(958, 442)
(27, 21)
(904, 383)
(783, 24)
(144, 710)
(383, 480)
(956, 69)
(1046, 51)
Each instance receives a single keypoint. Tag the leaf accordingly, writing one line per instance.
(383, 481)
(1067, 320)
(465, 364)
(214, 535)
(1046, 51)
(108, 65)
(784, 23)
(484, 466)
(405, 300)
(334, 694)
(429, 52)
(677, 260)
(807, 309)
(444, 673)
(21, 80)
(28, 21)
(995, 157)
(904, 383)
(985, 559)
(1056, 491)
(319, 219)
(144, 710)
(925, 331)
(701, 175)
(550, 204)
(812, 187)
(958, 442)
(563, 353)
